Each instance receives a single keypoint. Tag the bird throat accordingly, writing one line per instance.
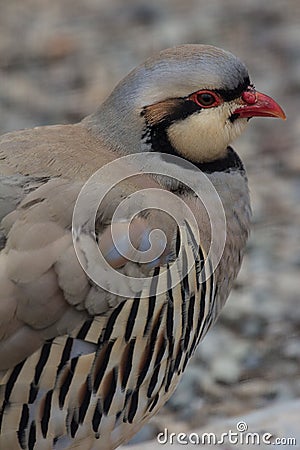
(155, 139)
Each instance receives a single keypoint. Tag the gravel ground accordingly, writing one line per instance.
(58, 61)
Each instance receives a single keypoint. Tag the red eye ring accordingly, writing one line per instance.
(205, 99)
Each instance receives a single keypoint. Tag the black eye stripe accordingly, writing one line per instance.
(230, 94)
(185, 107)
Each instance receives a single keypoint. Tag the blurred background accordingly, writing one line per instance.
(60, 58)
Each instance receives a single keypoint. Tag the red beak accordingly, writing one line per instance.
(257, 104)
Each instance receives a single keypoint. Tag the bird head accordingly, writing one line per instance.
(190, 100)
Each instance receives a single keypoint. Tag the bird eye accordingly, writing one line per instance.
(205, 99)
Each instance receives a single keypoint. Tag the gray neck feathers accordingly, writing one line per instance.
(118, 122)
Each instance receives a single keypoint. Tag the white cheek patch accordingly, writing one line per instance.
(204, 136)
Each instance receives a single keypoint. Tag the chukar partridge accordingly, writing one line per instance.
(85, 363)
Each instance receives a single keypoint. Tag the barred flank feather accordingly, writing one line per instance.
(114, 372)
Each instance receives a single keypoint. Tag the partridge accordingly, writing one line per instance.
(91, 348)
